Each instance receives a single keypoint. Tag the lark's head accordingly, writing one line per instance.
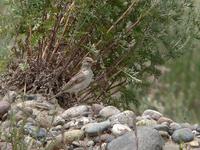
(87, 62)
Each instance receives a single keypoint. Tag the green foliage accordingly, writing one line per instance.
(178, 89)
(127, 38)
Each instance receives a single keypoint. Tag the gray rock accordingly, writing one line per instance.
(108, 111)
(161, 127)
(75, 111)
(182, 135)
(152, 113)
(93, 129)
(4, 107)
(127, 117)
(148, 139)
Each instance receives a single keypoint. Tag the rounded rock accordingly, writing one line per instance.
(164, 119)
(148, 139)
(93, 129)
(108, 111)
(119, 129)
(182, 135)
(127, 117)
(152, 113)
(75, 111)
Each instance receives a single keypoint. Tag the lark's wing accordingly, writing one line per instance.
(76, 79)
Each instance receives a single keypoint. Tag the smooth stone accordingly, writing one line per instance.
(104, 138)
(146, 122)
(96, 108)
(93, 129)
(148, 139)
(175, 126)
(75, 111)
(120, 129)
(4, 107)
(171, 146)
(108, 111)
(160, 127)
(194, 143)
(65, 138)
(152, 113)
(127, 117)
(164, 119)
(182, 135)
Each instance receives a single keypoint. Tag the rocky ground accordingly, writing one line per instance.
(31, 122)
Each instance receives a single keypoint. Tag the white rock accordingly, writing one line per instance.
(119, 129)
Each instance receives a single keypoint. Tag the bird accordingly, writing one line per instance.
(79, 81)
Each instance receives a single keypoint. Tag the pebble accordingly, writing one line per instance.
(75, 111)
(148, 139)
(161, 127)
(127, 117)
(93, 129)
(152, 113)
(108, 111)
(182, 135)
(164, 119)
(194, 143)
(120, 129)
